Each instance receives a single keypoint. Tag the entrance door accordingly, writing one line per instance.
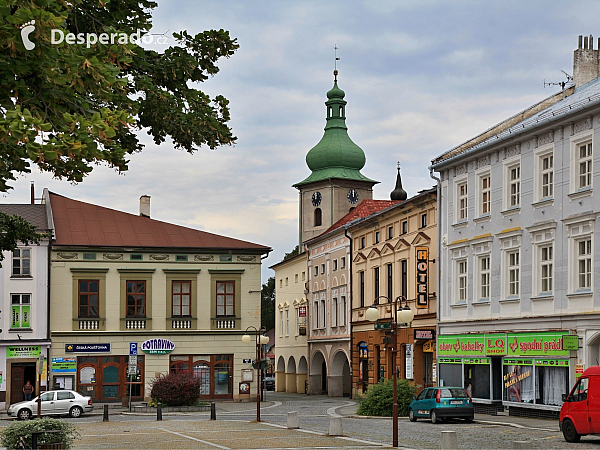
(324, 377)
(19, 374)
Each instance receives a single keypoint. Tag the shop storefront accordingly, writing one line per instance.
(19, 363)
(215, 372)
(508, 369)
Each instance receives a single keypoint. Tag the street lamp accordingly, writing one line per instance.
(261, 339)
(401, 315)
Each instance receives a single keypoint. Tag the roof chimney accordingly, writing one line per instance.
(145, 206)
(585, 62)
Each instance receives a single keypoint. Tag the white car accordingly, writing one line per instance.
(54, 403)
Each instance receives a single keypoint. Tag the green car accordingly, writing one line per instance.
(438, 403)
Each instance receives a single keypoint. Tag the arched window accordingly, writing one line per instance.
(330, 112)
(341, 111)
(318, 217)
(351, 209)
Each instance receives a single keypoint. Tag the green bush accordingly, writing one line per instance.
(68, 433)
(380, 397)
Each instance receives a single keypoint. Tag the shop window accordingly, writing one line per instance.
(477, 377)
(518, 381)
(551, 382)
(215, 373)
(450, 373)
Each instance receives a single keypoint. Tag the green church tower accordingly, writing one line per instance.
(335, 185)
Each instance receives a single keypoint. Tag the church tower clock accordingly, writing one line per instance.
(335, 185)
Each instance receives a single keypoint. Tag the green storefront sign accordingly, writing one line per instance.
(23, 351)
(456, 344)
(538, 344)
(495, 344)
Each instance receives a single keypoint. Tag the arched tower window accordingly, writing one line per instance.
(318, 217)
(351, 209)
(341, 111)
(330, 112)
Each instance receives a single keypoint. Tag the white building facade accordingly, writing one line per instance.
(519, 310)
(24, 285)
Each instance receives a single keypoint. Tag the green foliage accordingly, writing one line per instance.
(380, 396)
(68, 433)
(293, 253)
(267, 304)
(176, 389)
(66, 108)
(15, 229)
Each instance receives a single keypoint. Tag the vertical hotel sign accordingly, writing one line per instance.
(422, 276)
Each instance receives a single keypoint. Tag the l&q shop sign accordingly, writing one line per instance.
(157, 346)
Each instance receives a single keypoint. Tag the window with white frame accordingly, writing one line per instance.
(581, 250)
(461, 201)
(343, 262)
(461, 280)
(484, 277)
(514, 186)
(584, 264)
(287, 322)
(546, 268)
(404, 226)
(315, 314)
(335, 264)
(343, 310)
(21, 262)
(484, 203)
(581, 163)
(297, 318)
(584, 165)
(334, 312)
(322, 318)
(513, 268)
(20, 311)
(510, 271)
(542, 238)
(482, 249)
(547, 175)
(280, 323)
(316, 271)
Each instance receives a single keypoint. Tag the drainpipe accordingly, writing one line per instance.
(439, 254)
(350, 298)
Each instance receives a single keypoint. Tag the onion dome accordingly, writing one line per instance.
(398, 193)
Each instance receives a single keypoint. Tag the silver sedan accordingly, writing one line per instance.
(54, 403)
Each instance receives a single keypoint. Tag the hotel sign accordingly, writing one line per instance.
(422, 275)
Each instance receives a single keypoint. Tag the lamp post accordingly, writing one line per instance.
(261, 339)
(402, 315)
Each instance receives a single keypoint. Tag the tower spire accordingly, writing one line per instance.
(398, 193)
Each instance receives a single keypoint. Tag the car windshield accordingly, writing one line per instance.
(454, 393)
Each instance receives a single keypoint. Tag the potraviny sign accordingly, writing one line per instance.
(157, 346)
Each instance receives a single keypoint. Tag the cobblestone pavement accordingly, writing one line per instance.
(234, 429)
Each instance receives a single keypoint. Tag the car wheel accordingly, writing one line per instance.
(569, 432)
(411, 415)
(434, 416)
(24, 414)
(75, 411)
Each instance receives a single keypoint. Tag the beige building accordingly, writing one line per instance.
(184, 296)
(393, 254)
(291, 366)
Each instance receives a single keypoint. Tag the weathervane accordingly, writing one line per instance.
(335, 72)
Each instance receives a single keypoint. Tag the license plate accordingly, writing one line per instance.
(456, 402)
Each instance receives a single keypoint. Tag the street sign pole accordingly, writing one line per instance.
(132, 366)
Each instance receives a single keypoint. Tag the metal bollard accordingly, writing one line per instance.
(213, 411)
(158, 412)
(292, 420)
(105, 416)
(449, 440)
(335, 426)
(521, 444)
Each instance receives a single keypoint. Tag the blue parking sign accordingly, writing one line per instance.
(133, 348)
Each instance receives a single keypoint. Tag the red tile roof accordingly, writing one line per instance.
(364, 209)
(84, 224)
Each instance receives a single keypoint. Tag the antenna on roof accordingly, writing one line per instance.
(563, 84)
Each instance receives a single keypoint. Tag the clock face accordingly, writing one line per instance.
(353, 196)
(316, 199)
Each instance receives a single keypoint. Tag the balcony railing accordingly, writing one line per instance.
(225, 323)
(181, 324)
(88, 324)
(135, 324)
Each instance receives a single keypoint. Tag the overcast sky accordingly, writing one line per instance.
(420, 78)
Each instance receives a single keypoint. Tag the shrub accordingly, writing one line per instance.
(380, 397)
(176, 389)
(68, 433)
